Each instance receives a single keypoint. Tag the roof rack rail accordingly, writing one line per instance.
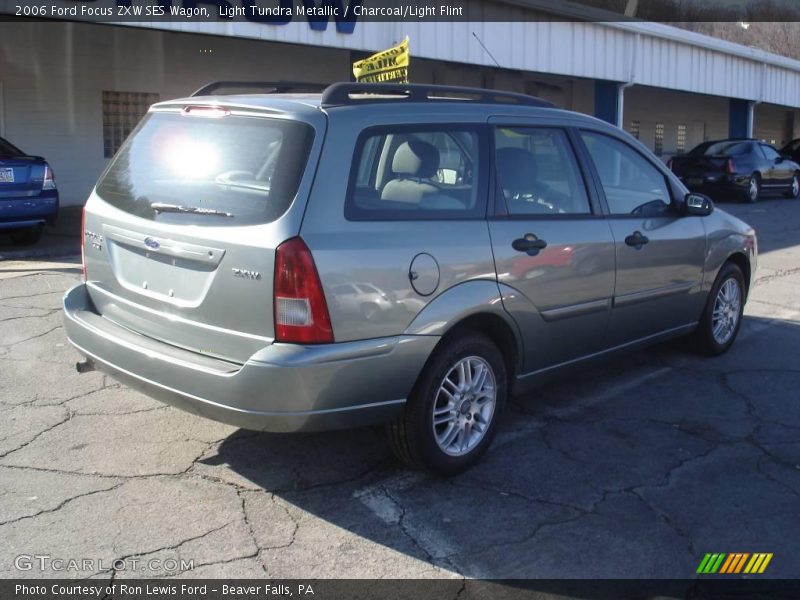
(340, 94)
(272, 87)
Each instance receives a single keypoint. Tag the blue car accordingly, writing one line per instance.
(28, 194)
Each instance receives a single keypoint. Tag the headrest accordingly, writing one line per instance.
(416, 158)
(516, 169)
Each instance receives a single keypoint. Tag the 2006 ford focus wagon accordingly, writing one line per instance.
(405, 254)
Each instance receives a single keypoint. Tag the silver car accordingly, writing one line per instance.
(401, 254)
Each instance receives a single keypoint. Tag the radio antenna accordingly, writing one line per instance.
(485, 49)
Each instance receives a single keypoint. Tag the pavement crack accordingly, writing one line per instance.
(121, 560)
(258, 549)
(223, 561)
(462, 589)
(778, 275)
(545, 436)
(669, 522)
(401, 523)
(61, 504)
(38, 435)
(33, 337)
(38, 294)
(527, 498)
(49, 313)
(106, 595)
(760, 468)
(217, 480)
(668, 477)
(93, 474)
(295, 529)
(125, 414)
(535, 531)
(375, 469)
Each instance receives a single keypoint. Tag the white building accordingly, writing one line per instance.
(71, 91)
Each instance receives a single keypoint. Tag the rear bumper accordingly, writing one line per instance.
(724, 188)
(29, 211)
(282, 388)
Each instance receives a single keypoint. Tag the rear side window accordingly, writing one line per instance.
(728, 149)
(538, 173)
(406, 173)
(246, 167)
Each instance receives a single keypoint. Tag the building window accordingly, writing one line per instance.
(121, 113)
(680, 145)
(634, 129)
(658, 147)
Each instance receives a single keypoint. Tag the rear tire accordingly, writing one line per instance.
(794, 189)
(464, 386)
(27, 236)
(753, 189)
(722, 316)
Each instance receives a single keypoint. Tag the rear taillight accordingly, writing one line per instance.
(730, 167)
(83, 242)
(49, 182)
(301, 313)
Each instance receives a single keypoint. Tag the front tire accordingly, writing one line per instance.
(451, 415)
(794, 189)
(722, 316)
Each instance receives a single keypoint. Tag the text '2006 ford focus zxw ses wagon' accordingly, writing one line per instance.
(405, 254)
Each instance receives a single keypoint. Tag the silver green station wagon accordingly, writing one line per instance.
(400, 254)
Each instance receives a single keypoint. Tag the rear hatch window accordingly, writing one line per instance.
(208, 170)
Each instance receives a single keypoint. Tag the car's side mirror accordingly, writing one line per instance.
(779, 160)
(697, 205)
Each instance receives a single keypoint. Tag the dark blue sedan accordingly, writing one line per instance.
(28, 194)
(737, 168)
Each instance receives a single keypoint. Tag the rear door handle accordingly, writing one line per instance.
(636, 239)
(529, 244)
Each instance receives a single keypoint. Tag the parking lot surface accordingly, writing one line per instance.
(633, 469)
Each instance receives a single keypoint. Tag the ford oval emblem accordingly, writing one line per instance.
(152, 243)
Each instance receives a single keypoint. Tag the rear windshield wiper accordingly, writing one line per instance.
(161, 207)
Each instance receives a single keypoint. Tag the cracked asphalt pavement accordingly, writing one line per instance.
(633, 469)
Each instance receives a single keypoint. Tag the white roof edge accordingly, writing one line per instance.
(704, 41)
(583, 12)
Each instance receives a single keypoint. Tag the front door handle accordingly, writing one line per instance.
(636, 239)
(529, 244)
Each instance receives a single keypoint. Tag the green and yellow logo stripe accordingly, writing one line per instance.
(734, 562)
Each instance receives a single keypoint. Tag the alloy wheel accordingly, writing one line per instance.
(753, 189)
(727, 307)
(464, 406)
